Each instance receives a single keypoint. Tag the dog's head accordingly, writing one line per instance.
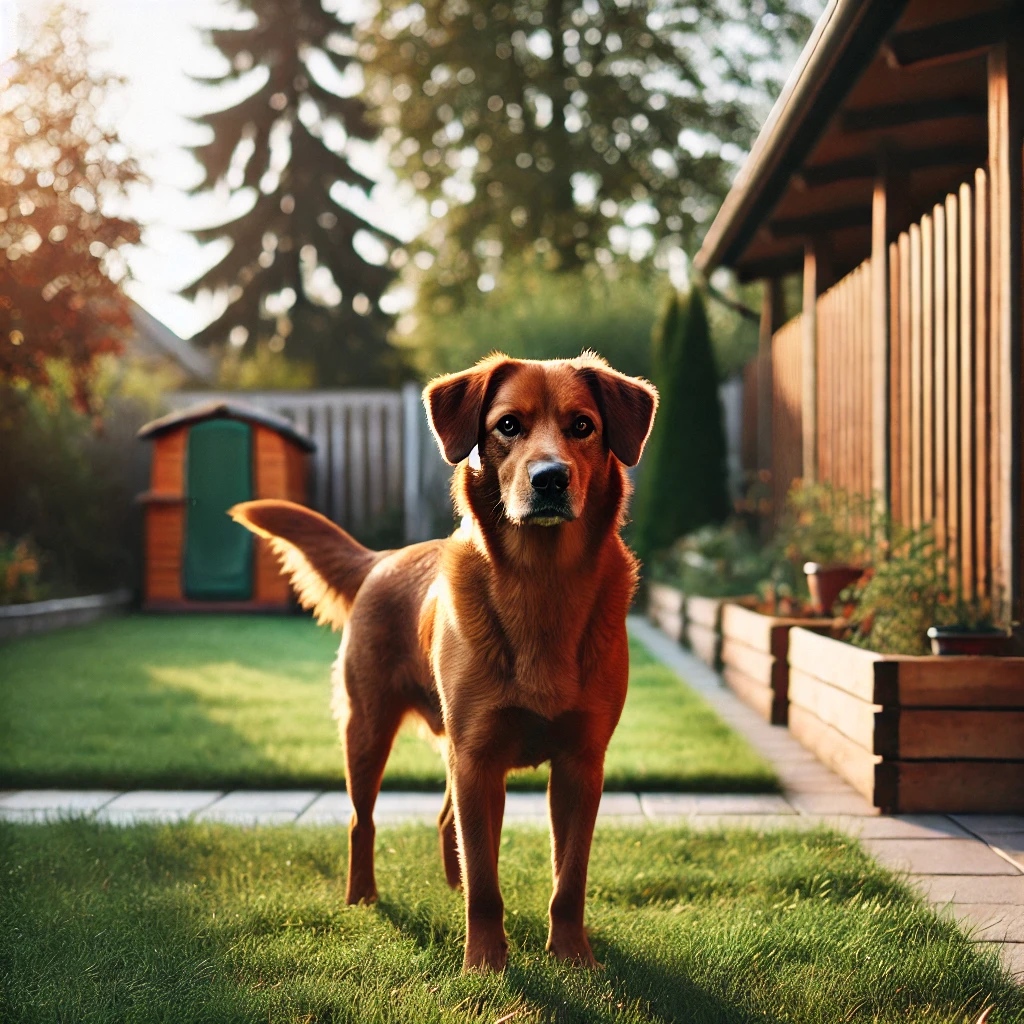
(544, 431)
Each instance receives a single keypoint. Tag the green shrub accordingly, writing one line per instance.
(535, 314)
(20, 563)
(717, 561)
(70, 480)
(826, 524)
(683, 481)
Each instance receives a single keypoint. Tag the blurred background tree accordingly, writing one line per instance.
(63, 182)
(305, 272)
(533, 314)
(581, 130)
(683, 482)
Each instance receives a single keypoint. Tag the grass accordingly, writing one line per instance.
(222, 702)
(203, 923)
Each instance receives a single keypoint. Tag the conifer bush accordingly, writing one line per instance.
(683, 480)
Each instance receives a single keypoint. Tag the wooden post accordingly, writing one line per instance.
(809, 321)
(1005, 102)
(771, 320)
(888, 203)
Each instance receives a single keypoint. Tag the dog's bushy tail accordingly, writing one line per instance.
(326, 565)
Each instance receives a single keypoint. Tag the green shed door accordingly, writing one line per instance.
(218, 552)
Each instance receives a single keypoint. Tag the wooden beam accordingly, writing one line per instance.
(771, 321)
(954, 39)
(775, 266)
(809, 323)
(867, 166)
(888, 201)
(895, 115)
(818, 223)
(1005, 130)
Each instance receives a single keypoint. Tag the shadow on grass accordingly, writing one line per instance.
(632, 980)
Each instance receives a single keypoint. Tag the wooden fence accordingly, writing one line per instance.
(844, 382)
(943, 379)
(787, 410)
(941, 431)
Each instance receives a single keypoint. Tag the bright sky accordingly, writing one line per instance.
(155, 45)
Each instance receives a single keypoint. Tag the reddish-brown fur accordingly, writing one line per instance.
(508, 639)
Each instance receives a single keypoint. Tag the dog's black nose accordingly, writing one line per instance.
(549, 477)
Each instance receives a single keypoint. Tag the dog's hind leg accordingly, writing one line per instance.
(368, 739)
(449, 840)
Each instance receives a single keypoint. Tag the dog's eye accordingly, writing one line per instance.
(583, 427)
(508, 426)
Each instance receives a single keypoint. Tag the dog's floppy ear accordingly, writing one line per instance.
(455, 403)
(627, 406)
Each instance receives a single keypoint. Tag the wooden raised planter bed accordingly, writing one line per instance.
(913, 734)
(666, 608)
(754, 657)
(704, 625)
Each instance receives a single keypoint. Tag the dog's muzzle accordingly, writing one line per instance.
(550, 505)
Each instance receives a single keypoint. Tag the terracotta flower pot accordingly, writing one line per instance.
(960, 640)
(827, 582)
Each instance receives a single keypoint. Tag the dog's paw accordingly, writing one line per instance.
(573, 948)
(484, 956)
(360, 897)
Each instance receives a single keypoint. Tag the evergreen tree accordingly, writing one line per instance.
(684, 479)
(294, 276)
(560, 126)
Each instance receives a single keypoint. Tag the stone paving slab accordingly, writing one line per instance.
(1012, 955)
(662, 806)
(846, 803)
(938, 856)
(978, 823)
(154, 805)
(898, 826)
(258, 807)
(1007, 844)
(994, 922)
(41, 805)
(942, 889)
(328, 809)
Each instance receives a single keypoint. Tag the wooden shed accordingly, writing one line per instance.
(207, 458)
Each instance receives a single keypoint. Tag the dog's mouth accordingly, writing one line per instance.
(554, 514)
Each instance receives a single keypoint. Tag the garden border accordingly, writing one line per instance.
(45, 616)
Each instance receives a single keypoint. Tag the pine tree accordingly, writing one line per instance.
(556, 127)
(684, 482)
(294, 277)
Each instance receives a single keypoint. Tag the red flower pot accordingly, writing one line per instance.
(827, 582)
(958, 640)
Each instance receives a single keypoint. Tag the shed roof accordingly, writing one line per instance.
(226, 410)
(903, 76)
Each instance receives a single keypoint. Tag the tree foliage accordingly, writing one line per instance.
(574, 128)
(533, 314)
(62, 173)
(683, 483)
(297, 276)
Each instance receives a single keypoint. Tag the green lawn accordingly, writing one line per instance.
(215, 924)
(210, 701)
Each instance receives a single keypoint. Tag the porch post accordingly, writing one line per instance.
(771, 315)
(809, 323)
(1005, 99)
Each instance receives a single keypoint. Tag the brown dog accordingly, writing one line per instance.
(508, 639)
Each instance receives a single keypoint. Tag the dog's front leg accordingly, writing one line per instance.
(574, 795)
(478, 789)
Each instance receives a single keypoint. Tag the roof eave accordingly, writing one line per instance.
(823, 75)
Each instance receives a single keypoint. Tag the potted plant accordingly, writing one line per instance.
(831, 530)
